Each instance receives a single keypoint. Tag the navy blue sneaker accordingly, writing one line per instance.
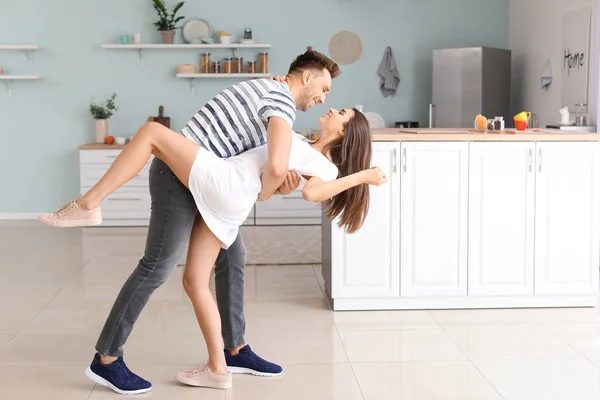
(248, 362)
(117, 377)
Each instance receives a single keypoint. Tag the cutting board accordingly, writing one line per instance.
(161, 119)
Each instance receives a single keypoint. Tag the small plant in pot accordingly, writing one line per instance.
(101, 115)
(167, 22)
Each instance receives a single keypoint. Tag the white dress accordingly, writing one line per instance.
(226, 189)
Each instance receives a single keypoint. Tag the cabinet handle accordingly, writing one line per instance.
(540, 160)
(530, 159)
(111, 156)
(394, 161)
(404, 159)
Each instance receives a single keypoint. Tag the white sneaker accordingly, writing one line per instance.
(204, 377)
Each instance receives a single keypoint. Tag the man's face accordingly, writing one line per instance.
(316, 88)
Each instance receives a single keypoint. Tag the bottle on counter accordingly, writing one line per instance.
(499, 124)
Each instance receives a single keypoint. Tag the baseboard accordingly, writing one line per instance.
(18, 216)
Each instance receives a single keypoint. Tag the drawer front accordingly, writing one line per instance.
(125, 203)
(100, 156)
(91, 174)
(290, 206)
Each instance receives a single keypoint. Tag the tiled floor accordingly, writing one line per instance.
(56, 287)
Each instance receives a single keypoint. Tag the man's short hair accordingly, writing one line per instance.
(316, 61)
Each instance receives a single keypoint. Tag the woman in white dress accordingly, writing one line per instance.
(335, 170)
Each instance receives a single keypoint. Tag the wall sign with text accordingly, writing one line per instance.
(576, 57)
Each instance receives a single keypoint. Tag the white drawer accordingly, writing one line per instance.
(91, 174)
(290, 206)
(100, 156)
(125, 203)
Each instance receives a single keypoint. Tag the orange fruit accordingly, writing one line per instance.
(110, 139)
(480, 121)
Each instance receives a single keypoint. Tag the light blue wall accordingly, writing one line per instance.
(44, 122)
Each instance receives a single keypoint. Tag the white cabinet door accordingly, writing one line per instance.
(501, 218)
(434, 207)
(567, 234)
(366, 263)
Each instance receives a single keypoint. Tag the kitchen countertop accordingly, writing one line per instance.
(440, 134)
(444, 135)
(100, 146)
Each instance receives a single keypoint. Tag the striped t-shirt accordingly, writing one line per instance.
(236, 119)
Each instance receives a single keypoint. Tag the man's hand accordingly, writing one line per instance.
(291, 183)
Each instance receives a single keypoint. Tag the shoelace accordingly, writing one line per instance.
(199, 371)
(64, 209)
(130, 375)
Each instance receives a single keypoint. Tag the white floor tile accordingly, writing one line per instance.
(506, 342)
(423, 381)
(406, 345)
(543, 379)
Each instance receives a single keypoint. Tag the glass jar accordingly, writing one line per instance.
(227, 64)
(263, 62)
(215, 67)
(238, 65)
(248, 34)
(251, 67)
(205, 63)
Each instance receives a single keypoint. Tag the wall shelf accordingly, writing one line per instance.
(21, 47)
(141, 47)
(9, 78)
(192, 77)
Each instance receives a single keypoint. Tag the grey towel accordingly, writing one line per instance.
(388, 74)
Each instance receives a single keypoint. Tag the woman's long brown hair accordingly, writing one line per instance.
(351, 153)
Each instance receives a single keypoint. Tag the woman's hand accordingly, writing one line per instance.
(278, 78)
(374, 176)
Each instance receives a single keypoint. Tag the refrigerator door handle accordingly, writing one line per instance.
(431, 115)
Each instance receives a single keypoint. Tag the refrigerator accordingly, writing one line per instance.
(467, 82)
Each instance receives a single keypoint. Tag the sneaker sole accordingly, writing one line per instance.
(241, 370)
(192, 382)
(101, 381)
(72, 223)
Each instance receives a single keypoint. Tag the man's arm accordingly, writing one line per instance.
(279, 143)
(291, 183)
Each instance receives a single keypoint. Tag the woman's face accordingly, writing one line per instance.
(332, 124)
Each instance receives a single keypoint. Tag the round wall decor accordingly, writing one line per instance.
(345, 47)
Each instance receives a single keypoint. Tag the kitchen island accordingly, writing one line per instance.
(473, 220)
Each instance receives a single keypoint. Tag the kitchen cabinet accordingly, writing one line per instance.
(433, 249)
(567, 242)
(501, 218)
(367, 262)
(473, 224)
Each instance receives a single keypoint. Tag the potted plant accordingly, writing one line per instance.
(167, 22)
(101, 115)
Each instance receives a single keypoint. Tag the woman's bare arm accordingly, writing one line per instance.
(317, 191)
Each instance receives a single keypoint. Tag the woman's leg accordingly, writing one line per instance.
(152, 138)
(175, 150)
(202, 253)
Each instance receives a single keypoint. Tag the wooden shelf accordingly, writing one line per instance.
(18, 77)
(141, 47)
(19, 47)
(186, 46)
(222, 75)
(9, 78)
(193, 77)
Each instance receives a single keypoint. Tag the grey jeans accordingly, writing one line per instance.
(171, 221)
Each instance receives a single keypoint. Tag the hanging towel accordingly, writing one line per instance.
(388, 74)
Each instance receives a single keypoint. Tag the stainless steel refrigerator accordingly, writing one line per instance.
(467, 82)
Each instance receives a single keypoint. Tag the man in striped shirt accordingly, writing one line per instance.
(239, 118)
